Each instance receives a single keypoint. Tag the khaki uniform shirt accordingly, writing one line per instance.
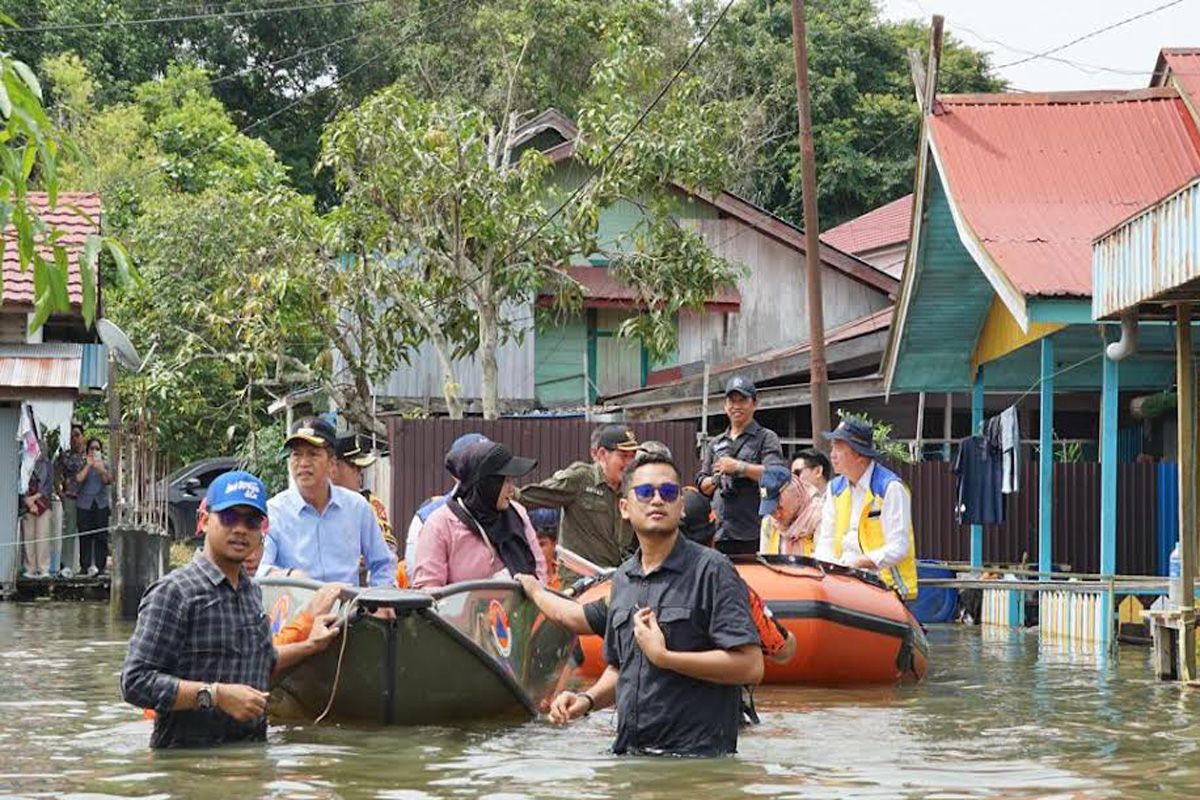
(591, 520)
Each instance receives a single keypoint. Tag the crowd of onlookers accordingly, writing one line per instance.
(64, 507)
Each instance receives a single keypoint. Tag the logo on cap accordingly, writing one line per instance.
(248, 489)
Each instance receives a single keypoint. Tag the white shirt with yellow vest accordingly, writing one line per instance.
(890, 545)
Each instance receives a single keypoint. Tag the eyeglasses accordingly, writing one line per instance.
(251, 519)
(95, 449)
(644, 492)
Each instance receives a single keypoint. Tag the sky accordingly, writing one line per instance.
(1010, 30)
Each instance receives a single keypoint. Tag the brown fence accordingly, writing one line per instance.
(418, 449)
(1076, 517)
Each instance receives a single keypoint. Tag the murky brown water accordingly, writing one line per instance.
(995, 718)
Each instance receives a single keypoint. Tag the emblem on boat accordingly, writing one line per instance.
(279, 612)
(501, 632)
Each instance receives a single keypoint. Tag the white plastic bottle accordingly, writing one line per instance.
(1175, 579)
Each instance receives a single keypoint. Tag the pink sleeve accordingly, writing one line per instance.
(531, 536)
(432, 569)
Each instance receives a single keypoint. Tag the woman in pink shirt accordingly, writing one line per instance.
(480, 533)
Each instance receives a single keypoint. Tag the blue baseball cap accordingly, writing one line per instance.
(237, 488)
(774, 480)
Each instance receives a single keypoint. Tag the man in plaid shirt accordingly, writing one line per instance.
(201, 655)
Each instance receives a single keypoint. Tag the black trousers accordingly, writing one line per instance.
(93, 537)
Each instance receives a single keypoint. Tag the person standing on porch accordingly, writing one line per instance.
(35, 519)
(68, 465)
(732, 466)
(867, 519)
(92, 507)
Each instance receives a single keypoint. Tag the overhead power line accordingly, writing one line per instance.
(247, 12)
(666, 87)
(1090, 35)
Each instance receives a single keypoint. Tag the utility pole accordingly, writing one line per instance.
(818, 369)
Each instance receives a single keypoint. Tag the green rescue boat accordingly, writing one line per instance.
(468, 651)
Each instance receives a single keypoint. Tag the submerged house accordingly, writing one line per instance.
(46, 371)
(578, 361)
(997, 300)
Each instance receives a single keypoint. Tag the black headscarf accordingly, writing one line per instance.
(474, 503)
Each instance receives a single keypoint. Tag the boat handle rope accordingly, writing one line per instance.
(345, 619)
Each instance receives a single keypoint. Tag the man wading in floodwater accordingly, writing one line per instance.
(679, 639)
(201, 655)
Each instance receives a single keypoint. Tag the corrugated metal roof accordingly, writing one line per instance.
(1038, 177)
(48, 373)
(1153, 256)
(18, 284)
(1182, 64)
(602, 290)
(883, 226)
(871, 323)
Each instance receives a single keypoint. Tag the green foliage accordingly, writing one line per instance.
(263, 454)
(865, 116)
(30, 152)
(881, 433)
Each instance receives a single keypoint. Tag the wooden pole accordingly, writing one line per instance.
(818, 368)
(1186, 379)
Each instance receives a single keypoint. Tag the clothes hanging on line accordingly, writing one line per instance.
(1004, 432)
(979, 472)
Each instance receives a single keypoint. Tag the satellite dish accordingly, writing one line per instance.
(115, 339)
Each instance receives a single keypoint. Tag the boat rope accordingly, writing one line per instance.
(337, 673)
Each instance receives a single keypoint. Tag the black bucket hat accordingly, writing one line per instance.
(859, 435)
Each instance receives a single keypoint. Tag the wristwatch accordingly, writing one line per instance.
(206, 695)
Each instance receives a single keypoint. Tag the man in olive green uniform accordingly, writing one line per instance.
(588, 494)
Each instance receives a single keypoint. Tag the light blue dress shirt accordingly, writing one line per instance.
(326, 546)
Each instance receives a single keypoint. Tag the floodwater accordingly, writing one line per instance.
(995, 718)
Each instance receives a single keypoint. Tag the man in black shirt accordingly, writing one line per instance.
(733, 465)
(201, 654)
(679, 639)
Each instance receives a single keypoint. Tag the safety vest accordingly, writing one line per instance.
(903, 576)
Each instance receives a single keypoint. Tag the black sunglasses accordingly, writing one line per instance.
(644, 492)
(251, 519)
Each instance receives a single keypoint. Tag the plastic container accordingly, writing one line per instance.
(934, 604)
(1175, 579)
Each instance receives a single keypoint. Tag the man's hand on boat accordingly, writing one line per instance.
(530, 584)
(243, 703)
(324, 631)
(322, 602)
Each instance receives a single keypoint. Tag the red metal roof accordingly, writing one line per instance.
(1182, 64)
(883, 226)
(1037, 177)
(602, 290)
(18, 285)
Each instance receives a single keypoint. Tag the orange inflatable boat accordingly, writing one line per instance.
(850, 628)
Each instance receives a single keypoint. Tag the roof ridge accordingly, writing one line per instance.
(1082, 97)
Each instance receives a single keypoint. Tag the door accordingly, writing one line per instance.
(10, 466)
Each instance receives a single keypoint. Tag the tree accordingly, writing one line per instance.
(471, 222)
(864, 107)
(29, 155)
